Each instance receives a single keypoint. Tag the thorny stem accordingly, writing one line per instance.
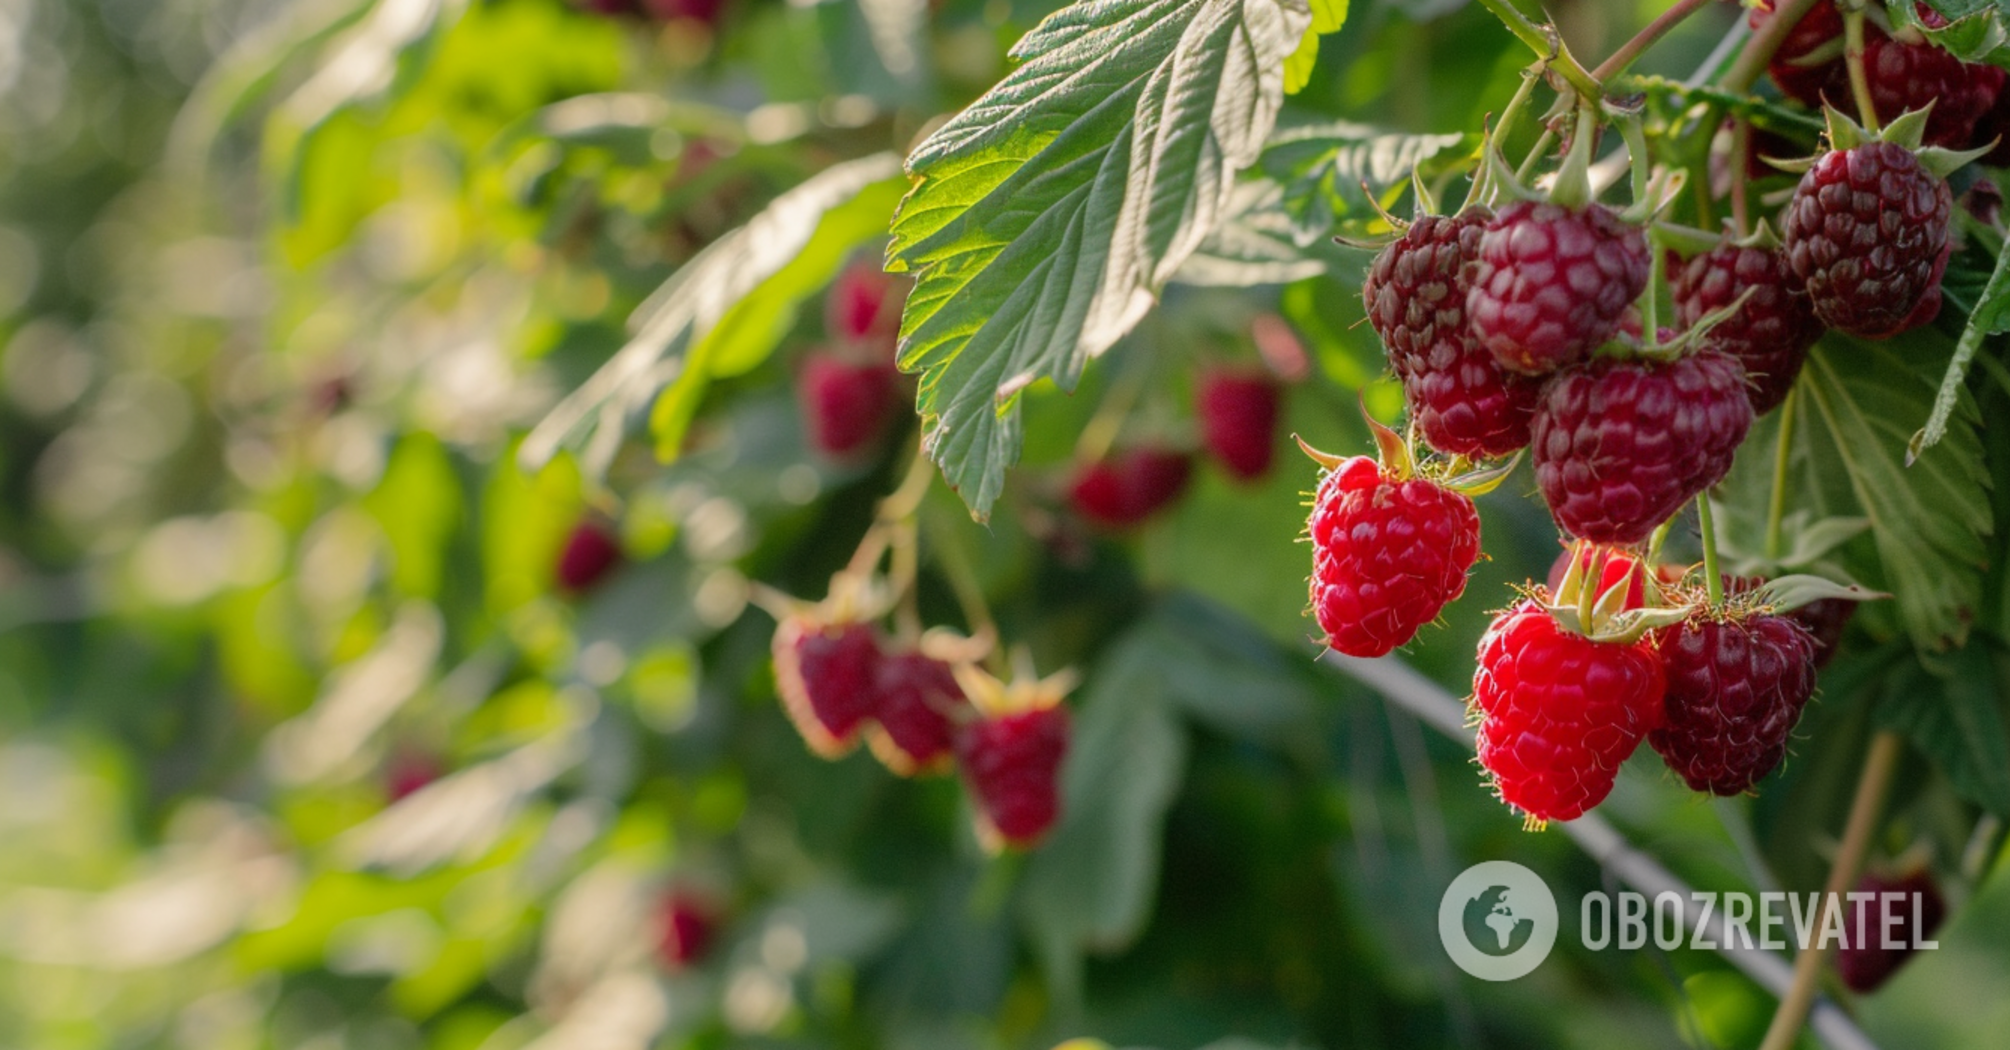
(1859, 82)
(1711, 580)
(1741, 161)
(1645, 39)
(1546, 44)
(1752, 61)
(1776, 508)
(1863, 813)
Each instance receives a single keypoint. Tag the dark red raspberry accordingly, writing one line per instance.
(847, 404)
(1130, 486)
(686, 925)
(1871, 953)
(1552, 283)
(1735, 690)
(1866, 235)
(827, 675)
(1012, 763)
(1800, 75)
(1905, 77)
(863, 304)
(1387, 555)
(918, 706)
(591, 551)
(1620, 446)
(1559, 712)
(1463, 402)
(1769, 335)
(1238, 419)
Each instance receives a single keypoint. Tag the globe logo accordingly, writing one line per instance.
(1497, 920)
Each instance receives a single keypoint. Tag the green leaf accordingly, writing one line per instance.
(1952, 710)
(1328, 171)
(721, 314)
(1327, 17)
(1991, 316)
(1046, 216)
(1928, 522)
(1977, 30)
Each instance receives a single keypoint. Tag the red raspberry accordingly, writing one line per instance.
(1552, 283)
(1387, 555)
(1871, 953)
(827, 676)
(410, 771)
(917, 707)
(1620, 446)
(1238, 420)
(1906, 77)
(1866, 235)
(687, 928)
(1799, 76)
(1012, 763)
(1769, 335)
(1735, 690)
(863, 304)
(847, 404)
(1559, 712)
(590, 553)
(1129, 487)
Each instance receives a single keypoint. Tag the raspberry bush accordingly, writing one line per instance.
(700, 523)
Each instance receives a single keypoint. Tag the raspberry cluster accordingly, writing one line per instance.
(850, 391)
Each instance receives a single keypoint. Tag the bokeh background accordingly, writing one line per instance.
(301, 745)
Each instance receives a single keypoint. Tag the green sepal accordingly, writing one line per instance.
(1791, 592)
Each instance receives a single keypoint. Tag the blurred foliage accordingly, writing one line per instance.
(303, 746)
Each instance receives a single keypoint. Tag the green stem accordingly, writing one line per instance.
(1859, 82)
(1547, 45)
(1641, 163)
(1751, 63)
(1535, 155)
(1484, 190)
(1741, 162)
(1711, 579)
(1645, 39)
(1776, 509)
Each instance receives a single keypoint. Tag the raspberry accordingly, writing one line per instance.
(1012, 763)
(408, 772)
(1906, 77)
(1559, 712)
(917, 702)
(1127, 488)
(1800, 75)
(686, 930)
(1620, 446)
(863, 304)
(1825, 620)
(1387, 555)
(1735, 690)
(1870, 952)
(1238, 420)
(1769, 335)
(1866, 235)
(1551, 283)
(590, 553)
(826, 673)
(847, 404)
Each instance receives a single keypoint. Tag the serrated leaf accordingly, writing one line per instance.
(1976, 30)
(1952, 710)
(1046, 216)
(1323, 168)
(722, 312)
(1990, 316)
(1928, 522)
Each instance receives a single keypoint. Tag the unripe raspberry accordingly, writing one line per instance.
(1388, 554)
(918, 705)
(1867, 236)
(1560, 712)
(1871, 953)
(1769, 335)
(1736, 688)
(826, 673)
(847, 404)
(591, 552)
(1124, 489)
(1012, 763)
(1552, 283)
(1238, 420)
(1620, 446)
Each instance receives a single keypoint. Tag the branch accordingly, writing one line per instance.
(1403, 685)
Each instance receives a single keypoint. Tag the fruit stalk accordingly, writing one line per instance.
(1642, 162)
(1863, 813)
(1776, 508)
(1546, 44)
(1712, 580)
(1617, 62)
(1751, 63)
(1859, 81)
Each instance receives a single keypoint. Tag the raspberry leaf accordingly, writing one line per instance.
(1044, 219)
(1791, 592)
(1991, 316)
